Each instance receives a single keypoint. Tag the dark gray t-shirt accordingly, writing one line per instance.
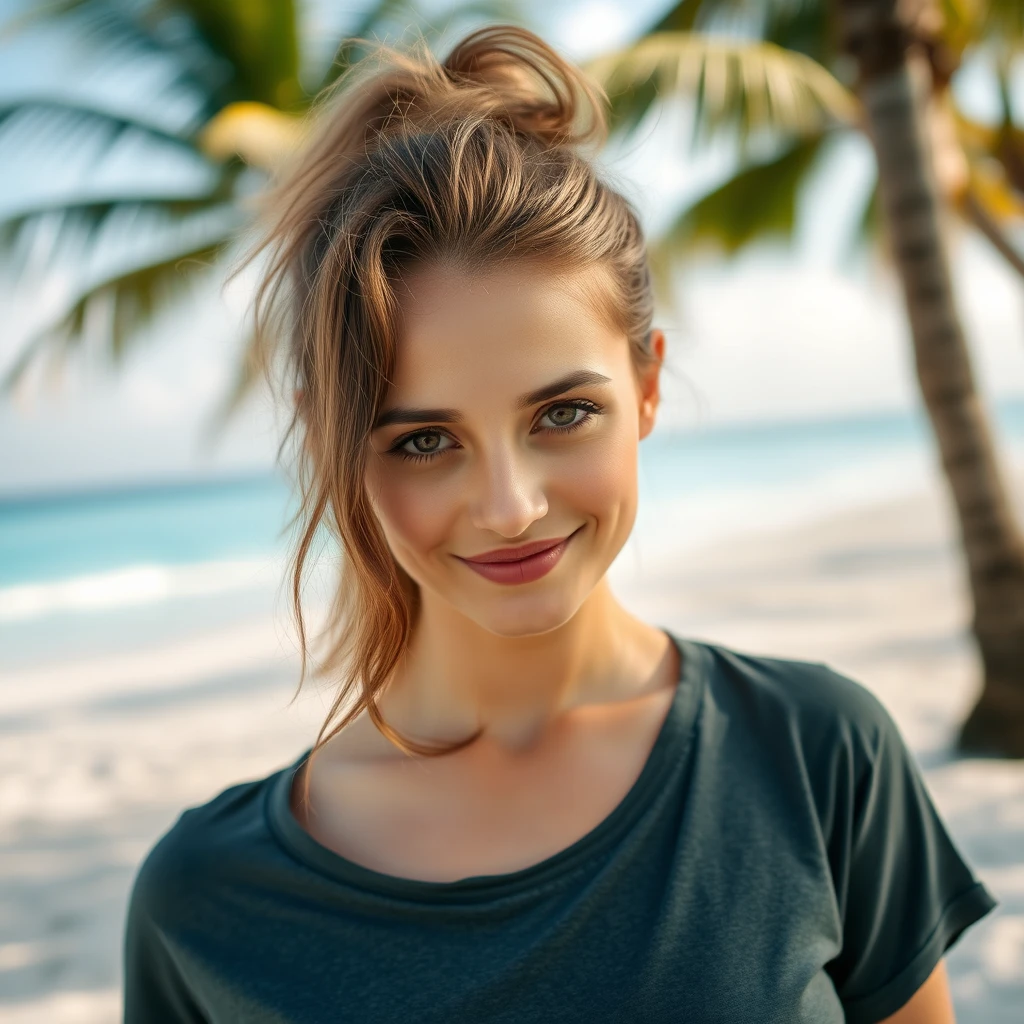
(777, 860)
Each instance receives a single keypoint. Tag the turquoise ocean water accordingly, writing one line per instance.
(70, 563)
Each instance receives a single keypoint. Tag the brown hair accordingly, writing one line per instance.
(476, 161)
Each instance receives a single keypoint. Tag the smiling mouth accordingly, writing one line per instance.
(522, 569)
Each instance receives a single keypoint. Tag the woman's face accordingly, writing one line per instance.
(513, 417)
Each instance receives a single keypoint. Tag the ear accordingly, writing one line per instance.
(648, 392)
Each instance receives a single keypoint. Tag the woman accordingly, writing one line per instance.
(535, 807)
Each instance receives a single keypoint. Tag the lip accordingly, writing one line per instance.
(515, 554)
(541, 557)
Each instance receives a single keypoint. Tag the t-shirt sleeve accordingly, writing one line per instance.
(155, 990)
(904, 890)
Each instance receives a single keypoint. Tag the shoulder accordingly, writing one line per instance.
(820, 734)
(811, 694)
(205, 844)
(830, 727)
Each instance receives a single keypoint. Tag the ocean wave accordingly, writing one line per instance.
(133, 585)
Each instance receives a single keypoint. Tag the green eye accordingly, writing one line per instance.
(563, 414)
(425, 445)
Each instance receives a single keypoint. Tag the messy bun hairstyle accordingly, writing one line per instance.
(474, 161)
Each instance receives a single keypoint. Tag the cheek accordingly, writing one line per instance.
(602, 477)
(415, 511)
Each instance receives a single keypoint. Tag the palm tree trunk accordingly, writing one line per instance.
(992, 541)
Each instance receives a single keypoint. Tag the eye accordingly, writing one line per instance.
(566, 416)
(425, 444)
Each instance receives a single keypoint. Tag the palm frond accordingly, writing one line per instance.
(701, 15)
(630, 104)
(30, 16)
(1004, 20)
(989, 184)
(1003, 143)
(742, 85)
(959, 23)
(117, 310)
(258, 39)
(85, 219)
(969, 22)
(126, 264)
(261, 135)
(154, 52)
(800, 26)
(758, 202)
(980, 215)
(974, 134)
(55, 156)
(64, 122)
(990, 205)
(87, 237)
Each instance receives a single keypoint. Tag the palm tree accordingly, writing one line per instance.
(223, 88)
(783, 80)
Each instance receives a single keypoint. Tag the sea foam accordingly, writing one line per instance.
(133, 585)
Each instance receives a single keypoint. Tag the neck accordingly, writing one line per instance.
(458, 678)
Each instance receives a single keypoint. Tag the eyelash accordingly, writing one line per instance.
(591, 408)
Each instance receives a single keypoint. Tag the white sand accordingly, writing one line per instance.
(101, 753)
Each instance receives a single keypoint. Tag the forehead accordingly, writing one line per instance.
(502, 331)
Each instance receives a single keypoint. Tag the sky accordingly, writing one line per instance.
(772, 334)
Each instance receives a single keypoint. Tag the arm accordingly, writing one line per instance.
(155, 990)
(930, 1004)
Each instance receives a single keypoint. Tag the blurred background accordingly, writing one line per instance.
(804, 494)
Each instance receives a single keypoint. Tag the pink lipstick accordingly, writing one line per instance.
(520, 565)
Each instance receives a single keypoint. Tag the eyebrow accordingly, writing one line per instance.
(576, 379)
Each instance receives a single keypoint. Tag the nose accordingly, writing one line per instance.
(506, 494)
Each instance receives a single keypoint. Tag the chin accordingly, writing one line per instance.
(526, 616)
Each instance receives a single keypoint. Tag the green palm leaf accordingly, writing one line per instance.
(701, 15)
(122, 306)
(758, 202)
(181, 78)
(131, 260)
(800, 25)
(736, 84)
(1004, 20)
(54, 120)
(68, 156)
(258, 40)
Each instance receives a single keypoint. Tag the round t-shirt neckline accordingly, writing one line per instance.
(671, 746)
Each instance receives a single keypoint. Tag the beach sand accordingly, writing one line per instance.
(102, 751)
